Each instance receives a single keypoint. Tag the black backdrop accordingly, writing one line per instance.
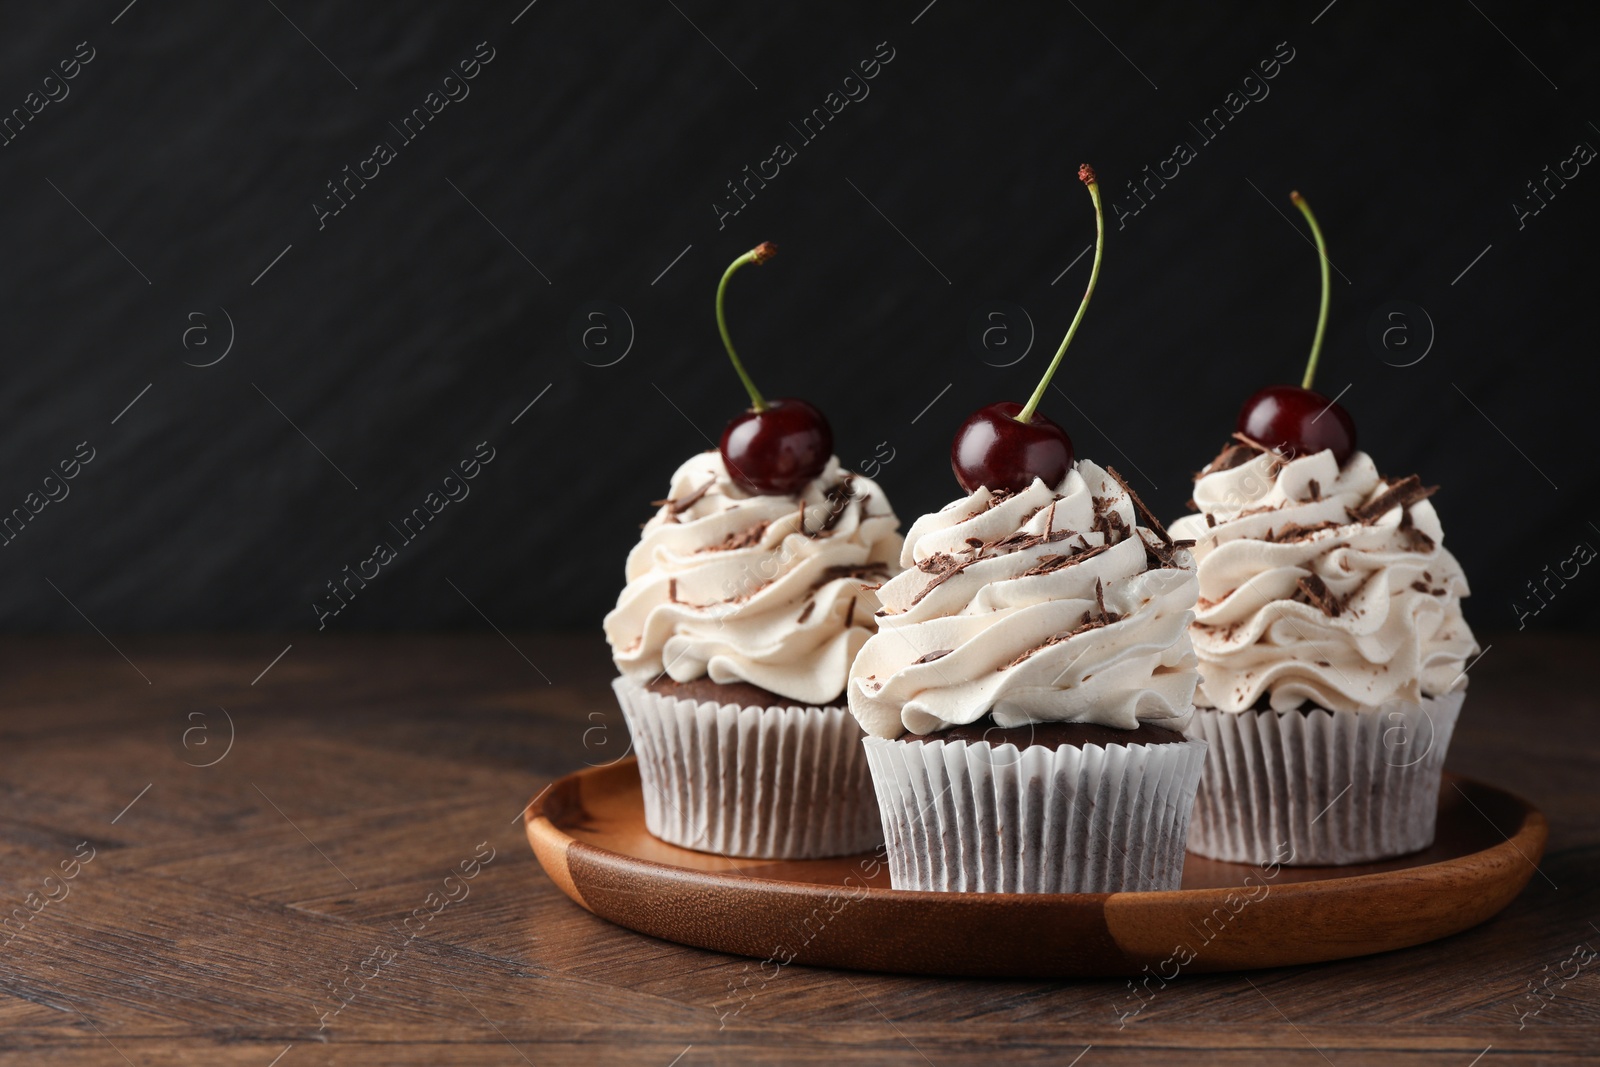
(163, 205)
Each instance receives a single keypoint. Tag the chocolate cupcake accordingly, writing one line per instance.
(1026, 693)
(733, 639)
(1332, 655)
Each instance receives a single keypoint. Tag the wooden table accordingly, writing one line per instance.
(256, 907)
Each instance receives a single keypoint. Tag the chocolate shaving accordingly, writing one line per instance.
(850, 613)
(1315, 487)
(1295, 531)
(1233, 455)
(864, 570)
(1158, 556)
(1316, 594)
(1021, 541)
(1108, 522)
(937, 563)
(672, 590)
(942, 576)
(1150, 519)
(996, 497)
(1402, 494)
(1051, 563)
(1022, 520)
(931, 656)
(806, 614)
(1251, 442)
(1056, 639)
(682, 504)
(745, 538)
(1416, 540)
(1211, 520)
(1235, 460)
(1100, 600)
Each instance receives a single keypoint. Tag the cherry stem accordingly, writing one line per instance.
(1087, 176)
(757, 255)
(1322, 315)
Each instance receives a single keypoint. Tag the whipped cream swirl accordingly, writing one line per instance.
(777, 591)
(1323, 584)
(1048, 605)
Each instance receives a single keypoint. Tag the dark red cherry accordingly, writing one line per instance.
(778, 450)
(993, 449)
(1298, 422)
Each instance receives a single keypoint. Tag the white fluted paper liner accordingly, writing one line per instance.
(1322, 788)
(976, 817)
(768, 783)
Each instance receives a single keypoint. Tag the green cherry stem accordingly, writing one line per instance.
(1087, 177)
(757, 255)
(1322, 315)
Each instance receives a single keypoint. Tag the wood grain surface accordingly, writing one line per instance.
(349, 883)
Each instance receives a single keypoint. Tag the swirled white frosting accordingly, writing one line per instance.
(777, 591)
(1041, 606)
(1301, 600)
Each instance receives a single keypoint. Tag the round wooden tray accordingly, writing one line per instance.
(587, 830)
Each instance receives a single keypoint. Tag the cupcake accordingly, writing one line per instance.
(1329, 632)
(749, 593)
(1026, 694)
(1332, 658)
(1028, 687)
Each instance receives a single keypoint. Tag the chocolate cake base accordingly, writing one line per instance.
(1050, 734)
(742, 694)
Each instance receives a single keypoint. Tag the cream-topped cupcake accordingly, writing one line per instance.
(733, 638)
(1026, 693)
(1032, 670)
(1332, 648)
(749, 592)
(1332, 657)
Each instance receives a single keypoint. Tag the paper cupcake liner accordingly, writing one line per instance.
(767, 783)
(975, 817)
(1321, 788)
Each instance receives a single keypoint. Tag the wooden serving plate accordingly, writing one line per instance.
(588, 832)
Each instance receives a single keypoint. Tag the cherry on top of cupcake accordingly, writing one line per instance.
(1005, 446)
(777, 446)
(1296, 420)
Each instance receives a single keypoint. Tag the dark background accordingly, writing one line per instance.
(596, 142)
